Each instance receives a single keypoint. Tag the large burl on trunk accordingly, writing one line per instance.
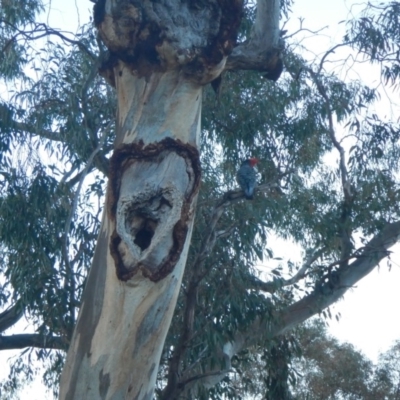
(161, 54)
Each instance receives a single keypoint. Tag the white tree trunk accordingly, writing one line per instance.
(142, 247)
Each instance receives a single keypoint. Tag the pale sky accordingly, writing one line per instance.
(368, 312)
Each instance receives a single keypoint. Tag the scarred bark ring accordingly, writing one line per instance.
(151, 213)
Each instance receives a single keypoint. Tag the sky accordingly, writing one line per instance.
(368, 311)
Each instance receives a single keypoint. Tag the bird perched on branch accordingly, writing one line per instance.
(247, 178)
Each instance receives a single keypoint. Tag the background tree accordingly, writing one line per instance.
(345, 217)
(317, 367)
(329, 369)
(386, 384)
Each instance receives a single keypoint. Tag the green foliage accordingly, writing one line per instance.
(50, 125)
(376, 34)
(330, 369)
(17, 19)
(387, 374)
(318, 367)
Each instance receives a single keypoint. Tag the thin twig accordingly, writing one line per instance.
(36, 33)
(273, 286)
(206, 375)
(331, 130)
(331, 50)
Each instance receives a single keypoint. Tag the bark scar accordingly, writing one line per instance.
(150, 200)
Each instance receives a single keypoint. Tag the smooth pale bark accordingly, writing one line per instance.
(162, 105)
(127, 308)
(262, 51)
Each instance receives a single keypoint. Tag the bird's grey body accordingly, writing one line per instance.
(247, 177)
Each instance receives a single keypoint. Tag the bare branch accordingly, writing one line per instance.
(340, 149)
(331, 50)
(82, 176)
(32, 340)
(347, 276)
(301, 29)
(20, 127)
(41, 30)
(227, 199)
(11, 316)
(69, 268)
(344, 225)
(206, 375)
(302, 271)
(276, 284)
(43, 133)
(194, 363)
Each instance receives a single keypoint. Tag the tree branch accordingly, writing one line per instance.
(331, 130)
(262, 51)
(43, 133)
(210, 237)
(344, 224)
(41, 30)
(345, 277)
(276, 284)
(32, 340)
(206, 375)
(11, 316)
(7, 118)
(70, 280)
(322, 297)
(331, 50)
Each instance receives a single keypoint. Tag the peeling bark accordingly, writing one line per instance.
(159, 36)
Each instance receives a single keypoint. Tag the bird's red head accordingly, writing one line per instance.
(253, 161)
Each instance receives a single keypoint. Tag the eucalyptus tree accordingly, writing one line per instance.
(148, 267)
(161, 54)
(329, 369)
(386, 383)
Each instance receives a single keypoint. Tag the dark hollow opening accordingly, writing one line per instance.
(145, 234)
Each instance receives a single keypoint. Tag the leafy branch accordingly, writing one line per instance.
(210, 237)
